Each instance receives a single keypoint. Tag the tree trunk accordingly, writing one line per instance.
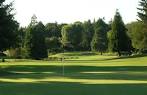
(3, 60)
(119, 53)
(101, 53)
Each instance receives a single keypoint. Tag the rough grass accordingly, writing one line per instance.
(84, 75)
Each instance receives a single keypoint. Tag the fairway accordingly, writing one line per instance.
(73, 47)
(83, 75)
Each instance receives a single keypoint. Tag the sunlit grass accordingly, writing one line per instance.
(83, 75)
(68, 80)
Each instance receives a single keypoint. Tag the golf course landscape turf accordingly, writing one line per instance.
(77, 74)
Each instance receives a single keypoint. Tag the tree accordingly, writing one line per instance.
(135, 33)
(66, 37)
(143, 18)
(28, 37)
(18, 51)
(38, 49)
(21, 35)
(87, 35)
(53, 30)
(35, 41)
(72, 36)
(53, 44)
(8, 27)
(119, 40)
(76, 39)
(33, 20)
(28, 42)
(99, 41)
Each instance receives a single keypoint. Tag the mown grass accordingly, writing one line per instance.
(84, 75)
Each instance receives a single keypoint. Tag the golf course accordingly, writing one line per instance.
(77, 74)
(73, 47)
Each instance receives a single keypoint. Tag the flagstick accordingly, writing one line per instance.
(63, 67)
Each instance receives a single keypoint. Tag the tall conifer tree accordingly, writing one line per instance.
(8, 26)
(119, 40)
(99, 41)
(142, 14)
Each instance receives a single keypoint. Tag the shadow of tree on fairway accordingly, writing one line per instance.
(77, 72)
(68, 88)
(73, 88)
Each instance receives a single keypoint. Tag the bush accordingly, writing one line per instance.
(2, 54)
(18, 53)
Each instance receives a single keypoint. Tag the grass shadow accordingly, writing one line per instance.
(77, 72)
(68, 88)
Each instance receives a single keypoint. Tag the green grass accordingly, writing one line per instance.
(84, 75)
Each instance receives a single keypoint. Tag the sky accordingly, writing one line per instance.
(69, 11)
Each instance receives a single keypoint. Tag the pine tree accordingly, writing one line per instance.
(8, 26)
(143, 11)
(99, 41)
(119, 40)
(35, 41)
(38, 49)
(87, 35)
(28, 37)
(143, 18)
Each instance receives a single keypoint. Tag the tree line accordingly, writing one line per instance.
(37, 40)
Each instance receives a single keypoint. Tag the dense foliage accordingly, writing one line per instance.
(72, 36)
(135, 33)
(119, 40)
(36, 39)
(142, 14)
(100, 41)
(8, 27)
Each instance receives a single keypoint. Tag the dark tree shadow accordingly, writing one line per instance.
(76, 72)
(73, 88)
(67, 88)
